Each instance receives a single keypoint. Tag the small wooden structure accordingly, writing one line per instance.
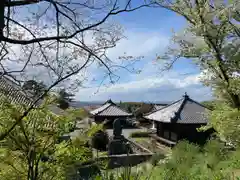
(180, 120)
(109, 111)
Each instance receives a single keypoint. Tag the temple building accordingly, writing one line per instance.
(180, 120)
(109, 111)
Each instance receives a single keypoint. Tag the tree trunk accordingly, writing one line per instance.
(2, 6)
(30, 170)
(32, 167)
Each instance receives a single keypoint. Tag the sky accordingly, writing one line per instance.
(148, 32)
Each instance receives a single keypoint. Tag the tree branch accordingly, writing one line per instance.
(9, 3)
(3, 135)
(41, 39)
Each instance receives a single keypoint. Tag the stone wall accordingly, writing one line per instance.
(140, 155)
(113, 161)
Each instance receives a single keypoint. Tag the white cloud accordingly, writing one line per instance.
(148, 85)
(139, 44)
(146, 88)
(135, 44)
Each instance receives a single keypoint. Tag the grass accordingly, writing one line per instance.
(152, 145)
(99, 153)
(139, 134)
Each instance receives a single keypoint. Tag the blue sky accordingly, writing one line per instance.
(148, 33)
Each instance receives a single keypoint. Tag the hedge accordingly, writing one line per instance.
(139, 134)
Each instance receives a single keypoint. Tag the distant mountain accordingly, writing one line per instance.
(78, 104)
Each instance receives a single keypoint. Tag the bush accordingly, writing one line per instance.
(72, 126)
(189, 161)
(100, 140)
(139, 134)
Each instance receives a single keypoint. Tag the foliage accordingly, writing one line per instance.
(130, 106)
(140, 172)
(64, 98)
(211, 40)
(139, 134)
(31, 150)
(145, 108)
(189, 161)
(225, 120)
(209, 104)
(37, 88)
(100, 140)
(76, 115)
(127, 173)
(98, 136)
(58, 49)
(94, 129)
(63, 94)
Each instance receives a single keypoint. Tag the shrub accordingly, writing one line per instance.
(94, 129)
(189, 161)
(100, 140)
(139, 134)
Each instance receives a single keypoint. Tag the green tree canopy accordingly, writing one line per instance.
(37, 88)
(32, 150)
(64, 98)
(211, 40)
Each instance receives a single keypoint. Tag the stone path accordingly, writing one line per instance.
(83, 124)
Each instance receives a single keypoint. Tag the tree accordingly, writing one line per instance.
(65, 95)
(31, 151)
(58, 38)
(211, 40)
(64, 98)
(209, 104)
(37, 88)
(129, 108)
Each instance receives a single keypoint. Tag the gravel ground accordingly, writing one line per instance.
(84, 123)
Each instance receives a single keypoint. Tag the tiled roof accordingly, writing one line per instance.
(14, 92)
(109, 109)
(193, 112)
(100, 109)
(185, 111)
(165, 114)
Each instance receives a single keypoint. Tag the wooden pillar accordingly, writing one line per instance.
(158, 128)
